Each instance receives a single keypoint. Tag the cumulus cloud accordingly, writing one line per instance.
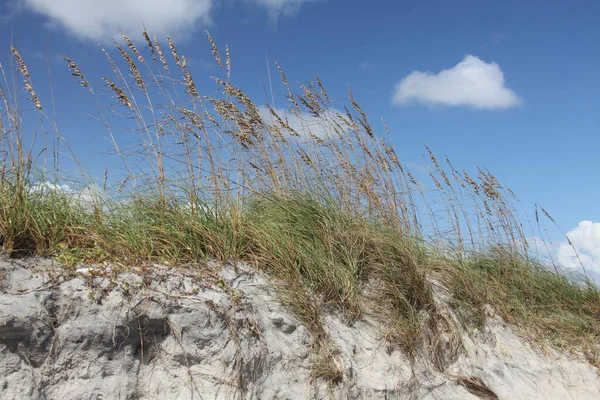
(472, 83)
(305, 123)
(278, 8)
(107, 19)
(586, 240)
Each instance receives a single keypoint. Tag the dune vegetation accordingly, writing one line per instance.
(313, 196)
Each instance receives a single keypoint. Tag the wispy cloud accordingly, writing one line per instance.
(472, 83)
(367, 65)
(40, 56)
(107, 19)
(9, 10)
(279, 8)
(496, 39)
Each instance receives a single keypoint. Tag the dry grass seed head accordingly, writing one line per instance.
(471, 182)
(350, 121)
(512, 194)
(547, 214)
(435, 181)
(133, 48)
(189, 83)
(135, 73)
(112, 63)
(149, 43)
(323, 91)
(391, 153)
(411, 178)
(211, 118)
(22, 67)
(121, 96)
(34, 97)
(363, 120)
(76, 72)
(215, 50)
(306, 158)
(228, 61)
(161, 56)
(290, 95)
(20, 63)
(438, 169)
(174, 51)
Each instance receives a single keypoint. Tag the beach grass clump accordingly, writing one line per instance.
(314, 196)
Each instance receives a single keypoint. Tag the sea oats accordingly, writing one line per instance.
(149, 43)
(193, 117)
(121, 96)
(488, 184)
(22, 67)
(161, 55)
(433, 159)
(290, 96)
(308, 106)
(189, 83)
(311, 102)
(306, 158)
(256, 167)
(133, 69)
(512, 194)
(547, 214)
(435, 181)
(174, 52)
(237, 93)
(323, 91)
(363, 120)
(350, 121)
(471, 182)
(34, 97)
(133, 48)
(210, 117)
(411, 178)
(488, 210)
(458, 179)
(385, 127)
(364, 148)
(20, 63)
(112, 63)
(391, 154)
(215, 50)
(228, 61)
(76, 72)
(276, 132)
(317, 139)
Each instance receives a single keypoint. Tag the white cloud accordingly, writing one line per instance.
(304, 124)
(107, 19)
(84, 197)
(586, 240)
(472, 82)
(278, 8)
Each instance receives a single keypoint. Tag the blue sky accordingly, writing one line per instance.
(520, 94)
